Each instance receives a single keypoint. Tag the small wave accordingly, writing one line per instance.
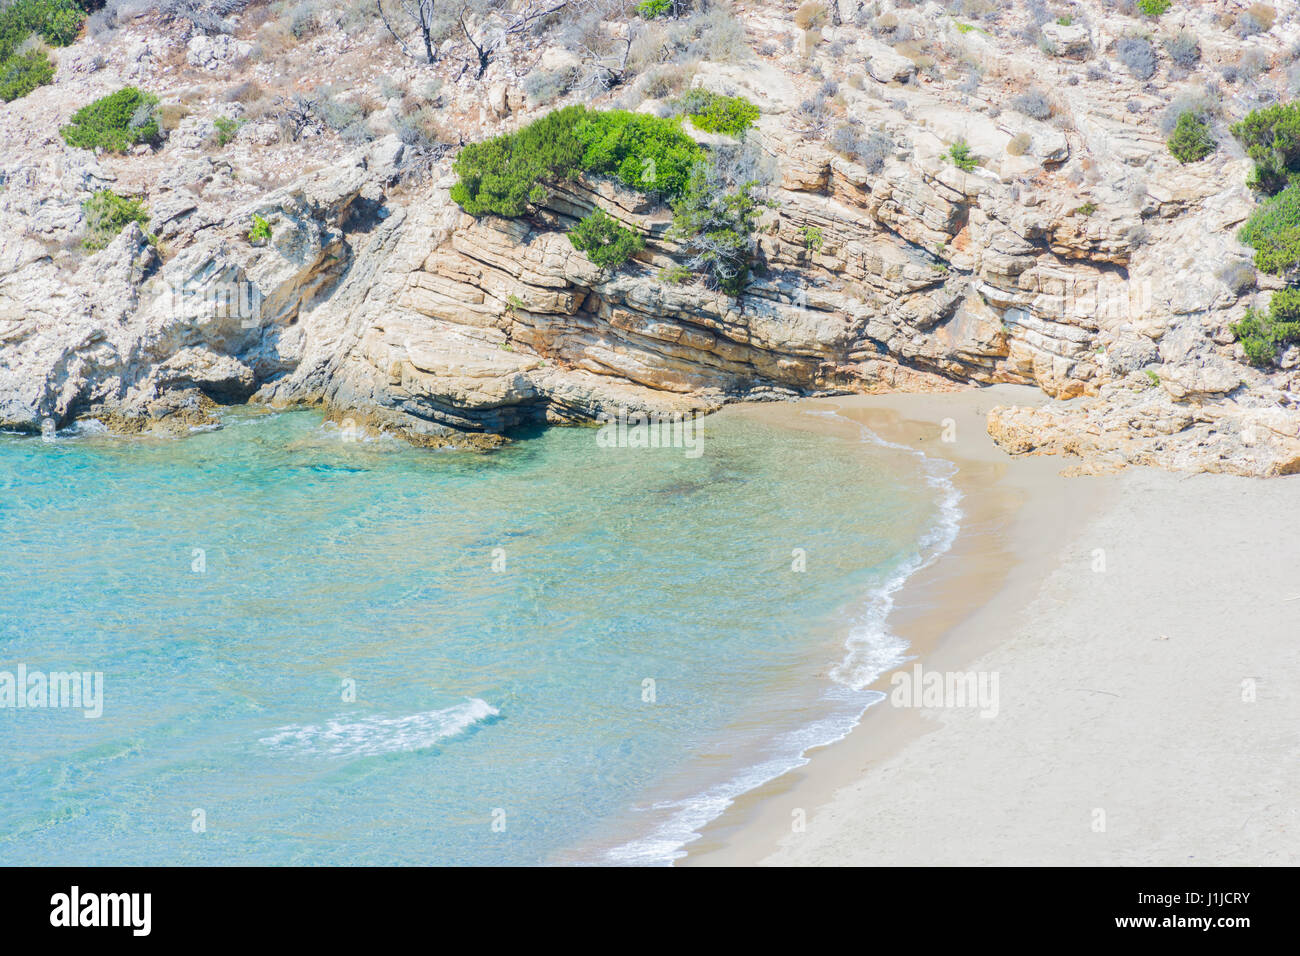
(688, 817)
(870, 651)
(368, 736)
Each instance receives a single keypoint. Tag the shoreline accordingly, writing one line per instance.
(1101, 752)
(989, 556)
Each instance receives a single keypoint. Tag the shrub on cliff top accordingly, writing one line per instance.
(1273, 231)
(1271, 137)
(1191, 140)
(115, 122)
(604, 240)
(505, 175)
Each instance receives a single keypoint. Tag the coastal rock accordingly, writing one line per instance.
(1076, 256)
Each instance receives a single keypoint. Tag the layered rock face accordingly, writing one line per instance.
(1082, 260)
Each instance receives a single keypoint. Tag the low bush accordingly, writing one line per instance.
(716, 225)
(1032, 103)
(544, 87)
(1191, 140)
(961, 156)
(260, 230)
(1184, 49)
(115, 122)
(1153, 8)
(21, 74)
(505, 175)
(107, 214)
(1138, 56)
(1273, 231)
(1263, 334)
(606, 243)
(715, 113)
(811, 15)
(57, 22)
(225, 129)
(1271, 137)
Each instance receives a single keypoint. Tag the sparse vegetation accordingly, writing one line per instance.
(1137, 55)
(961, 156)
(811, 15)
(812, 238)
(1184, 49)
(260, 231)
(107, 214)
(1033, 103)
(115, 122)
(225, 129)
(1153, 8)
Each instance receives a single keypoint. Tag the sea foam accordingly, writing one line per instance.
(367, 736)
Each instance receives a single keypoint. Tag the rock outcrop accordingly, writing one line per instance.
(1080, 258)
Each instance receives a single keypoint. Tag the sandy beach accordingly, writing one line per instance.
(1141, 632)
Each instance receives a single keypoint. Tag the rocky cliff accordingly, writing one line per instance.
(1078, 255)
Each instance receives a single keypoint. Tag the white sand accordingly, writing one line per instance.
(1120, 691)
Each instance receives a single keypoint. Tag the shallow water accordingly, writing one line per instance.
(322, 651)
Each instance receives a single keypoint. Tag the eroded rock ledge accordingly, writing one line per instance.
(395, 310)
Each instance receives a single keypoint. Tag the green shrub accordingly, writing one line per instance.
(57, 22)
(1273, 231)
(646, 152)
(505, 175)
(654, 9)
(961, 156)
(107, 214)
(715, 113)
(812, 238)
(1271, 137)
(1153, 8)
(604, 240)
(225, 129)
(1263, 334)
(261, 231)
(115, 122)
(21, 74)
(1191, 140)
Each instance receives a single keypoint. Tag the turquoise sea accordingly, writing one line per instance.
(322, 651)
